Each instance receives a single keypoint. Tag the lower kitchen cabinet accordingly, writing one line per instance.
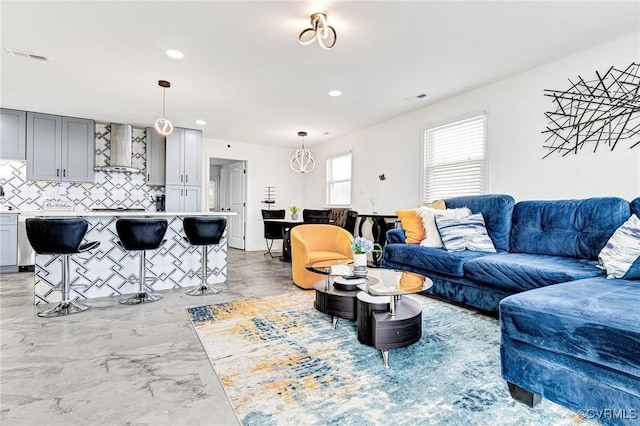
(8, 242)
(183, 198)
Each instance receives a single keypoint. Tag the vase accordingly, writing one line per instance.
(294, 216)
(360, 264)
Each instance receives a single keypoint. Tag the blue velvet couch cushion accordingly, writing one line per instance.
(570, 228)
(396, 236)
(635, 207)
(521, 271)
(497, 210)
(596, 320)
(428, 258)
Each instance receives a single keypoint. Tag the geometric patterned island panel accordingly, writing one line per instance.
(109, 270)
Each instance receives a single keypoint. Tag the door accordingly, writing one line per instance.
(173, 201)
(192, 157)
(44, 146)
(78, 137)
(13, 134)
(173, 161)
(192, 198)
(235, 224)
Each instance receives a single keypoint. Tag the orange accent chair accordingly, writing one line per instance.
(314, 242)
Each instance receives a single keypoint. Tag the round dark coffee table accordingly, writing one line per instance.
(397, 323)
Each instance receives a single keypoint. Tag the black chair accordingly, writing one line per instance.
(204, 231)
(316, 216)
(272, 231)
(345, 218)
(60, 237)
(141, 235)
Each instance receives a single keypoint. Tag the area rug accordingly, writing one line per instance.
(282, 363)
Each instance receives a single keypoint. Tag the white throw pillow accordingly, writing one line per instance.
(467, 233)
(620, 257)
(428, 215)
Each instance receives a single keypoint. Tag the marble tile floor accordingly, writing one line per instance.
(118, 364)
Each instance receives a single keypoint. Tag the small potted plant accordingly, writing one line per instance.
(294, 212)
(361, 246)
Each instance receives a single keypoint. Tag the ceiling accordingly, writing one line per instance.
(245, 73)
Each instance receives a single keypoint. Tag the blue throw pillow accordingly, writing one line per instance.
(620, 257)
(467, 233)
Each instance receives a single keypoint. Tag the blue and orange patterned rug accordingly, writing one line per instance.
(282, 363)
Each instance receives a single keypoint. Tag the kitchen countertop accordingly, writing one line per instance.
(65, 213)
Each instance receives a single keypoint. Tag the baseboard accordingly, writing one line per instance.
(26, 268)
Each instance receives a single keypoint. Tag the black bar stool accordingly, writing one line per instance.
(60, 237)
(204, 231)
(141, 235)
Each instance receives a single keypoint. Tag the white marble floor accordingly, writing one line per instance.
(117, 364)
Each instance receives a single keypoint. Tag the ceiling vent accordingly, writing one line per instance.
(415, 97)
(24, 54)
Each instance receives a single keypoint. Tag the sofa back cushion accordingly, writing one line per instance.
(571, 228)
(635, 207)
(497, 210)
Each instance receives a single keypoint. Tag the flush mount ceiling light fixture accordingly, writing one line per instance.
(320, 30)
(302, 160)
(164, 126)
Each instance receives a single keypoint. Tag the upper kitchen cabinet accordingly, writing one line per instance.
(60, 148)
(184, 157)
(13, 134)
(155, 157)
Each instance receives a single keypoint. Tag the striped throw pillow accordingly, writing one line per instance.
(468, 233)
(620, 257)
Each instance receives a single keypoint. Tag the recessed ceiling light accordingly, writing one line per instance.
(335, 93)
(201, 122)
(174, 54)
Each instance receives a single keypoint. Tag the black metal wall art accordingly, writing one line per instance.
(600, 112)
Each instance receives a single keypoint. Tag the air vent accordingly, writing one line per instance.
(24, 54)
(415, 97)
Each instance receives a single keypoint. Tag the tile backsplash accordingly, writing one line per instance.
(110, 189)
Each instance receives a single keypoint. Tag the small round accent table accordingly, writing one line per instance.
(337, 296)
(396, 323)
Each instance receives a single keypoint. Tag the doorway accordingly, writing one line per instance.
(227, 191)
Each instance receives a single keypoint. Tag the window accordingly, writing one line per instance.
(339, 180)
(454, 159)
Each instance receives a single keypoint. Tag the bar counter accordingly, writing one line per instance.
(109, 270)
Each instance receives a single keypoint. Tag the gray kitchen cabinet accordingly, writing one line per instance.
(13, 128)
(184, 157)
(192, 197)
(60, 148)
(181, 198)
(8, 242)
(155, 157)
(183, 177)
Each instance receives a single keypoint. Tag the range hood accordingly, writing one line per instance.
(120, 158)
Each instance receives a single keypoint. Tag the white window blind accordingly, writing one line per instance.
(454, 159)
(339, 180)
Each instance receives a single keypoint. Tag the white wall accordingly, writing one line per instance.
(266, 166)
(515, 119)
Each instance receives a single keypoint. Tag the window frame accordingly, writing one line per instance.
(450, 122)
(328, 182)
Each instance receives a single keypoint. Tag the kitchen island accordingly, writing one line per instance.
(109, 270)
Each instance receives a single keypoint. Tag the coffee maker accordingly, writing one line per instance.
(160, 203)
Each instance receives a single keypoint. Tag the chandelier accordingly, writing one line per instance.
(302, 160)
(163, 126)
(320, 30)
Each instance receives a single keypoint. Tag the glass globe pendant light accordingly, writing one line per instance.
(163, 126)
(302, 160)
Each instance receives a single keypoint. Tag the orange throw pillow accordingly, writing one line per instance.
(412, 225)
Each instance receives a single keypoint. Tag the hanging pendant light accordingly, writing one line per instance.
(302, 160)
(163, 126)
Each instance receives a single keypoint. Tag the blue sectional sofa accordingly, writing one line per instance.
(569, 334)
